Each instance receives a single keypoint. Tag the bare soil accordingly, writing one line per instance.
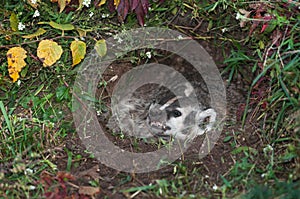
(208, 169)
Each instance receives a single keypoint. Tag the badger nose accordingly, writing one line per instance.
(166, 128)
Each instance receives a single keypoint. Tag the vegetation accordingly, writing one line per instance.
(260, 38)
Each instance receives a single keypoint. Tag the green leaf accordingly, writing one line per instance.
(61, 26)
(37, 33)
(227, 139)
(101, 47)
(78, 49)
(62, 93)
(14, 21)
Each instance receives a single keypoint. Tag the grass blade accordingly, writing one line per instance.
(7, 120)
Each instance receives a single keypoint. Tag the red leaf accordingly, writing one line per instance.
(122, 9)
(265, 25)
(111, 6)
(134, 4)
(145, 5)
(263, 28)
(140, 14)
(253, 27)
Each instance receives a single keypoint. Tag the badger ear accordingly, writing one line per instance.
(205, 120)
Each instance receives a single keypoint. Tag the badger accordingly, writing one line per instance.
(162, 114)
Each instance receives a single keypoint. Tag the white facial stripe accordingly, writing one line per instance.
(189, 89)
(171, 101)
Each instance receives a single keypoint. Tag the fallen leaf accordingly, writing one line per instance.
(102, 2)
(62, 27)
(123, 10)
(78, 49)
(82, 32)
(15, 59)
(62, 4)
(116, 3)
(14, 21)
(141, 10)
(101, 47)
(49, 52)
(245, 16)
(92, 172)
(37, 33)
(80, 3)
(88, 190)
(34, 5)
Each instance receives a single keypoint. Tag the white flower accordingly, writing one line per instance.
(91, 14)
(104, 15)
(36, 14)
(215, 187)
(238, 16)
(224, 30)
(28, 171)
(120, 40)
(263, 175)
(148, 54)
(268, 148)
(179, 37)
(31, 187)
(86, 3)
(21, 26)
(33, 1)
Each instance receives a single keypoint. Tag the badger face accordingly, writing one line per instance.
(182, 122)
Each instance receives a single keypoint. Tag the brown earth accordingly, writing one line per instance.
(198, 175)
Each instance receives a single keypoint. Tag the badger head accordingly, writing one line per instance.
(180, 120)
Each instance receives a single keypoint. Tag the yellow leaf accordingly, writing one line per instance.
(37, 33)
(101, 48)
(82, 32)
(49, 52)
(15, 58)
(116, 2)
(102, 2)
(62, 4)
(61, 26)
(34, 5)
(80, 2)
(14, 21)
(78, 49)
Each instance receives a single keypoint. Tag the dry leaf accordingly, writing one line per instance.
(245, 15)
(62, 4)
(78, 49)
(49, 52)
(37, 33)
(101, 2)
(116, 3)
(101, 48)
(92, 172)
(15, 59)
(80, 2)
(34, 5)
(82, 32)
(88, 190)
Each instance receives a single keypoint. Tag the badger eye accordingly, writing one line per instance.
(176, 113)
